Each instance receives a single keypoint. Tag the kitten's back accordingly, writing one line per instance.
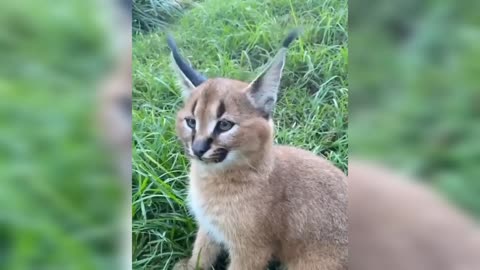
(312, 194)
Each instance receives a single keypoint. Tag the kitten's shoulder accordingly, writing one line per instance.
(291, 158)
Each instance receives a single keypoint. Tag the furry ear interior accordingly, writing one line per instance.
(189, 78)
(263, 91)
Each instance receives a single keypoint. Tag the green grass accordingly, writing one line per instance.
(231, 39)
(151, 15)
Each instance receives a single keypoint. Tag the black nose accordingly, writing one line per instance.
(200, 147)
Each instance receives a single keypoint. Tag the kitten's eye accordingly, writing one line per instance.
(224, 125)
(191, 122)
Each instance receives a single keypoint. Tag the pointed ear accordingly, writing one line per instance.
(189, 78)
(263, 91)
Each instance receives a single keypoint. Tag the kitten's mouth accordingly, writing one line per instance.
(217, 157)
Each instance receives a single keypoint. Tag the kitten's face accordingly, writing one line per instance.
(218, 124)
(227, 121)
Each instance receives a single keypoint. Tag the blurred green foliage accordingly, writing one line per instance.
(233, 39)
(58, 201)
(415, 102)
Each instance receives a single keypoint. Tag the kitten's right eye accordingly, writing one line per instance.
(191, 122)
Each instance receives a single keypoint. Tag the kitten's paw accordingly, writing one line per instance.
(183, 265)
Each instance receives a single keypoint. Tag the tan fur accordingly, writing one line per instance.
(114, 117)
(263, 201)
(396, 223)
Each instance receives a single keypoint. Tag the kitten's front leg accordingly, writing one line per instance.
(249, 258)
(205, 252)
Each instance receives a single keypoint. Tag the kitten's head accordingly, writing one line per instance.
(223, 120)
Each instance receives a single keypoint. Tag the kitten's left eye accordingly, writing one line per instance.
(191, 122)
(224, 125)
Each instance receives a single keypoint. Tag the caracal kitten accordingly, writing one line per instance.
(257, 200)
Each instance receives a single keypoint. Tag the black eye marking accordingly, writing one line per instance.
(191, 122)
(265, 115)
(224, 125)
(194, 106)
(220, 109)
(193, 135)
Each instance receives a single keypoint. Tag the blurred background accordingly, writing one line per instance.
(60, 189)
(414, 115)
(414, 69)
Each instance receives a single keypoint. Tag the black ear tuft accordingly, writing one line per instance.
(192, 75)
(291, 37)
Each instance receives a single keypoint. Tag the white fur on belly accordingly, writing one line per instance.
(195, 203)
